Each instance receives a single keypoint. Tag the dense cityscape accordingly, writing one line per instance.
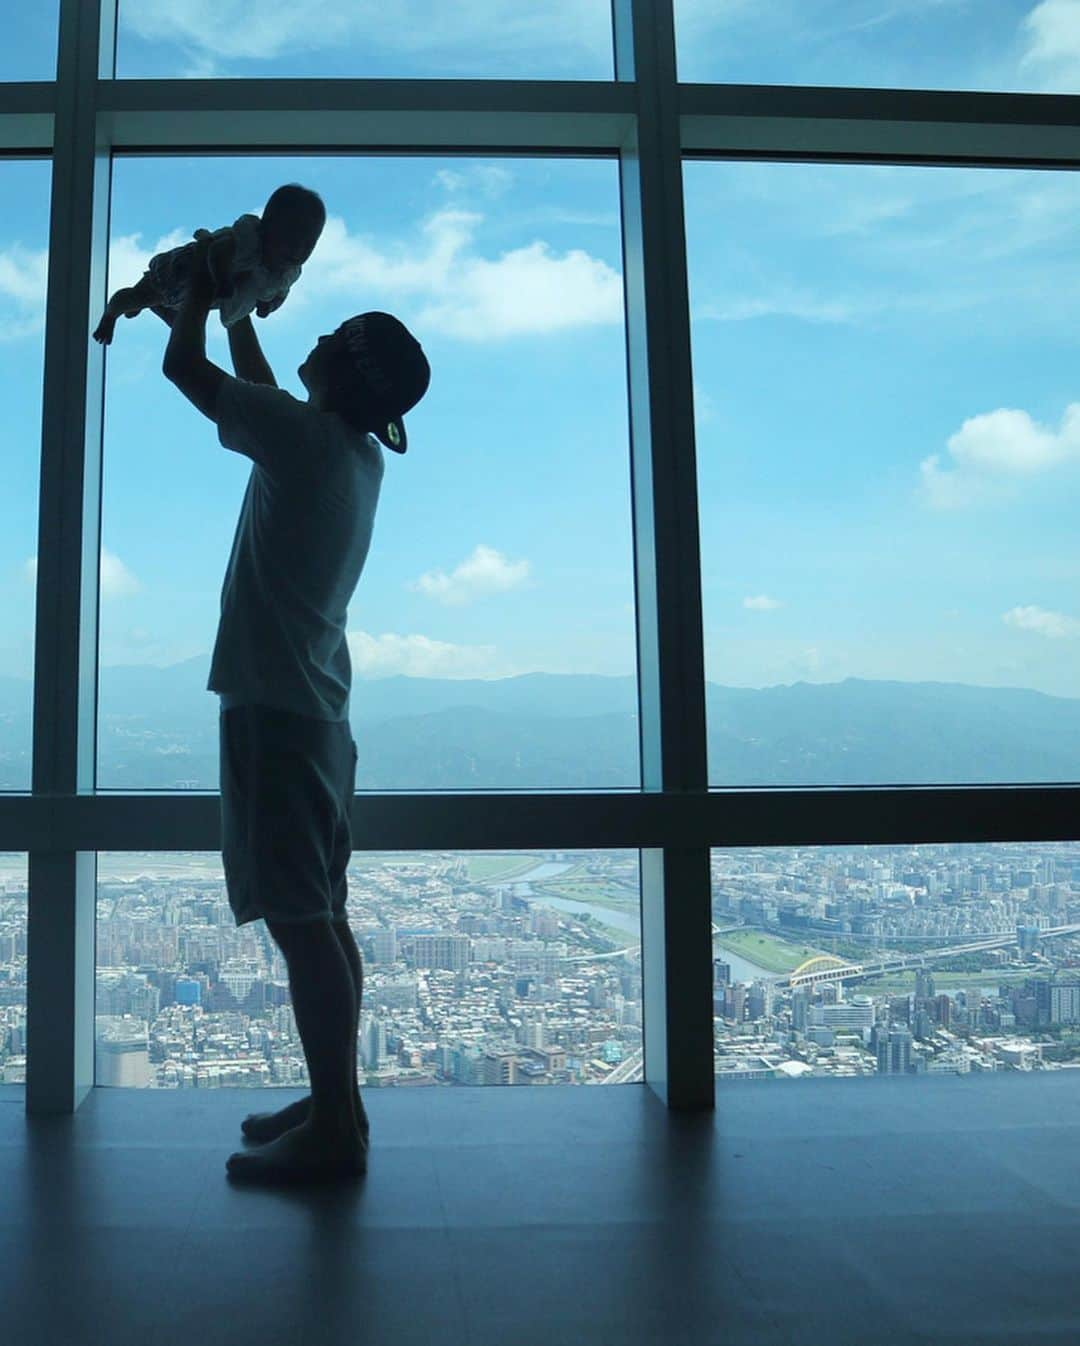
(485, 968)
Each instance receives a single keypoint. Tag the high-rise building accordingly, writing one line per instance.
(1065, 1001)
(383, 944)
(123, 1056)
(500, 1067)
(450, 952)
(759, 1000)
(373, 1042)
(735, 1002)
(1027, 937)
(856, 1013)
(894, 1052)
(187, 991)
(1043, 1007)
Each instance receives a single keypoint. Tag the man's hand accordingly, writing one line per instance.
(200, 279)
(185, 362)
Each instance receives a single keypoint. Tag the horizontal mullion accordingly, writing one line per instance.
(418, 114)
(722, 818)
(26, 134)
(883, 142)
(27, 117)
(807, 102)
(896, 124)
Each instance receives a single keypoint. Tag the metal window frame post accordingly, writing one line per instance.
(62, 881)
(676, 904)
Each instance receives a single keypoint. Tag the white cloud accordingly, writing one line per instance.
(419, 656)
(782, 304)
(1054, 625)
(128, 259)
(704, 406)
(23, 280)
(762, 603)
(1051, 32)
(490, 180)
(117, 581)
(993, 449)
(526, 290)
(485, 571)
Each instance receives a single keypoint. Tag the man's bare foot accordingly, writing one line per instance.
(303, 1154)
(103, 332)
(266, 1126)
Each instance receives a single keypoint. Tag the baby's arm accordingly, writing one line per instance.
(264, 308)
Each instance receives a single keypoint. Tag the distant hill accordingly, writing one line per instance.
(549, 731)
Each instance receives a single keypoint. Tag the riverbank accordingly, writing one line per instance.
(769, 952)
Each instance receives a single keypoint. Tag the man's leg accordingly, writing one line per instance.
(324, 998)
(264, 1126)
(356, 967)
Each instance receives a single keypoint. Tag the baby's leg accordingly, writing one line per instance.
(131, 300)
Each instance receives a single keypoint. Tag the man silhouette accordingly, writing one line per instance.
(281, 666)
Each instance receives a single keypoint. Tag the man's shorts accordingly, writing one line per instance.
(287, 784)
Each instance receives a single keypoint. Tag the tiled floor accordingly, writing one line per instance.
(823, 1213)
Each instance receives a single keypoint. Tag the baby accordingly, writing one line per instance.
(253, 263)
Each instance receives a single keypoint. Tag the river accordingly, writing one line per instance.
(742, 969)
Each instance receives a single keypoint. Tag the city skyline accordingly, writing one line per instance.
(524, 967)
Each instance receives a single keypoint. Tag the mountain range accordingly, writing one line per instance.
(159, 730)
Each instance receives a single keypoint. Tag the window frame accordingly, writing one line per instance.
(650, 122)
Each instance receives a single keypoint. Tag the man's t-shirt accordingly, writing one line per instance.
(300, 545)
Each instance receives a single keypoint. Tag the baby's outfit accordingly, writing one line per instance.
(253, 283)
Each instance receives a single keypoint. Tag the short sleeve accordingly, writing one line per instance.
(267, 425)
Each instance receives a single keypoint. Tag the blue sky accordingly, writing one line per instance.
(884, 362)
(1031, 45)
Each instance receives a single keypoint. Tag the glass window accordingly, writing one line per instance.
(889, 459)
(30, 35)
(479, 968)
(24, 237)
(1009, 45)
(879, 960)
(409, 39)
(13, 933)
(492, 632)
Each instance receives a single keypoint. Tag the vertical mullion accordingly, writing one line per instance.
(60, 985)
(676, 900)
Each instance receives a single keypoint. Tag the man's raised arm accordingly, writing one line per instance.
(247, 357)
(185, 362)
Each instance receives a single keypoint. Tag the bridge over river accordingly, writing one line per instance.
(827, 967)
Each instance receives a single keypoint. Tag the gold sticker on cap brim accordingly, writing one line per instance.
(393, 434)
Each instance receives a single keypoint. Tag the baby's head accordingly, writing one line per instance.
(292, 221)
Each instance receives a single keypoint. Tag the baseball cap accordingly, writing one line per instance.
(392, 364)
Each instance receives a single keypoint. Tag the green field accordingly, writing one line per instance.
(768, 951)
(489, 868)
(587, 890)
(902, 982)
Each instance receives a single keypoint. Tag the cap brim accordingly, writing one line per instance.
(392, 435)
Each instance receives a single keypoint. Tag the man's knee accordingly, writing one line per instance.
(293, 936)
